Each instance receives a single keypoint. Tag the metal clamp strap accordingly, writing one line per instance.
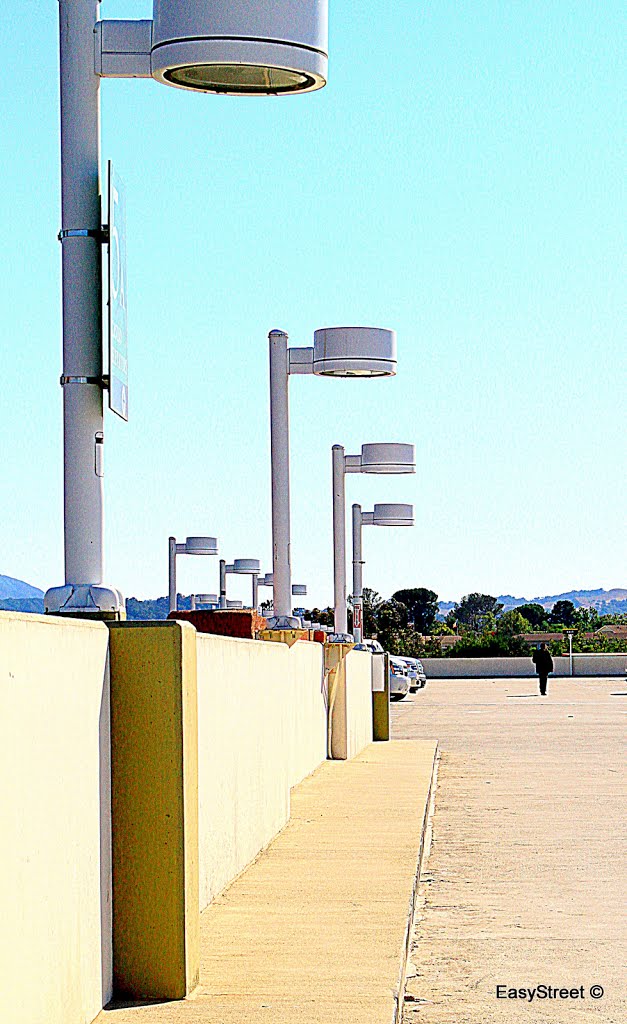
(101, 234)
(102, 382)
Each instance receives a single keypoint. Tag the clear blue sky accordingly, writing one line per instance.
(459, 179)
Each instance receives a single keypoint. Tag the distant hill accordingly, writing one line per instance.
(606, 602)
(15, 595)
(16, 590)
(26, 604)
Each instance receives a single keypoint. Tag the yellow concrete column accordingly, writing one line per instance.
(381, 698)
(154, 768)
(381, 714)
(335, 677)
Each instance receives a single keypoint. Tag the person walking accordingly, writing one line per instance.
(544, 664)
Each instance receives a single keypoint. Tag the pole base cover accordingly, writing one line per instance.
(85, 599)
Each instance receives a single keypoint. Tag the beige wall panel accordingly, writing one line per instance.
(358, 702)
(262, 727)
(55, 869)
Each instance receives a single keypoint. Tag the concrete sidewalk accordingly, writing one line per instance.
(314, 930)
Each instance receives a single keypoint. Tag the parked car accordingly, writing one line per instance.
(417, 673)
(369, 645)
(422, 675)
(399, 679)
(412, 673)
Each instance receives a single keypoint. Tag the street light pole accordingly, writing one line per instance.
(336, 352)
(81, 239)
(383, 457)
(172, 553)
(280, 460)
(358, 600)
(340, 619)
(222, 596)
(214, 46)
(383, 515)
(191, 546)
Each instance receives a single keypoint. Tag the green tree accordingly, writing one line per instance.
(422, 606)
(512, 623)
(472, 608)
(371, 603)
(588, 619)
(406, 643)
(322, 615)
(391, 618)
(535, 614)
(562, 614)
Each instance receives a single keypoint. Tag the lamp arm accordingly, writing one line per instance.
(300, 360)
(122, 49)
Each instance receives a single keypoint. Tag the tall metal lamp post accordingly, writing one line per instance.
(375, 458)
(240, 567)
(269, 47)
(382, 515)
(192, 546)
(336, 352)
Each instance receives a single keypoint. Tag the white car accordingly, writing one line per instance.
(370, 645)
(399, 679)
(417, 675)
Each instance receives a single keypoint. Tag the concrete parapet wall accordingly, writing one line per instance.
(262, 729)
(485, 668)
(144, 767)
(599, 665)
(55, 841)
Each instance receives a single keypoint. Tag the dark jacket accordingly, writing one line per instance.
(543, 662)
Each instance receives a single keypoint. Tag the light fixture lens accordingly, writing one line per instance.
(245, 79)
(353, 373)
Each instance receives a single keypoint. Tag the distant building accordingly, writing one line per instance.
(540, 638)
(614, 631)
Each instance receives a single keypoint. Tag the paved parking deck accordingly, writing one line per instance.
(525, 883)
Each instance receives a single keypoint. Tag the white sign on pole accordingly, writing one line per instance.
(118, 333)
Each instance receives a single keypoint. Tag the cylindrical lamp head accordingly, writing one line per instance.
(206, 598)
(388, 458)
(201, 546)
(242, 48)
(246, 566)
(393, 515)
(235, 604)
(354, 352)
(299, 590)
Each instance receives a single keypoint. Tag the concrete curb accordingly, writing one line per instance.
(423, 853)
